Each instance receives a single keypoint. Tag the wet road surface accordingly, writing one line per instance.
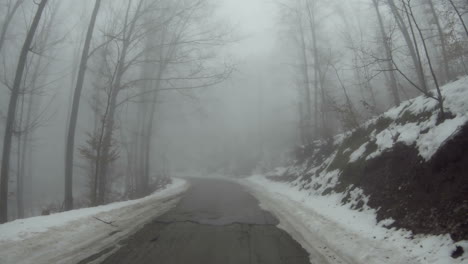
(216, 222)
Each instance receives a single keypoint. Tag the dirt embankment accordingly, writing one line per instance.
(426, 197)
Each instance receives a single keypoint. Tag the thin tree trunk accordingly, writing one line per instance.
(98, 161)
(300, 110)
(70, 146)
(317, 71)
(106, 144)
(443, 44)
(411, 46)
(416, 46)
(440, 98)
(99, 157)
(349, 104)
(140, 159)
(388, 53)
(141, 136)
(107, 141)
(96, 132)
(19, 169)
(149, 132)
(26, 141)
(31, 108)
(305, 72)
(6, 154)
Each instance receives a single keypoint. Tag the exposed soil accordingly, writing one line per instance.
(424, 197)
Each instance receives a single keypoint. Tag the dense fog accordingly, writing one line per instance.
(204, 87)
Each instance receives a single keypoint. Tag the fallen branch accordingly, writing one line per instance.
(105, 222)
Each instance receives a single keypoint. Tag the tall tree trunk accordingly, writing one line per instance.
(4, 174)
(116, 87)
(32, 105)
(26, 143)
(443, 43)
(164, 57)
(349, 104)
(318, 87)
(300, 109)
(105, 146)
(389, 57)
(142, 138)
(440, 99)
(99, 149)
(415, 41)
(305, 73)
(149, 133)
(411, 46)
(7, 21)
(70, 144)
(19, 169)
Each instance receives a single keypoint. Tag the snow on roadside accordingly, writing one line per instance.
(68, 237)
(342, 235)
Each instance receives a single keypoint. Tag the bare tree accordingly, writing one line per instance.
(306, 85)
(439, 98)
(27, 124)
(7, 140)
(130, 53)
(350, 121)
(411, 44)
(443, 44)
(388, 55)
(127, 38)
(69, 151)
(318, 84)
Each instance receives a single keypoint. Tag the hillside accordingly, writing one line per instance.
(406, 166)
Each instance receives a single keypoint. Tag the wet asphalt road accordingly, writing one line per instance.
(216, 222)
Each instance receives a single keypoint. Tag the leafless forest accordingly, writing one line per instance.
(103, 101)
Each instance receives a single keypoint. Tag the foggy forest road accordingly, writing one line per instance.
(215, 222)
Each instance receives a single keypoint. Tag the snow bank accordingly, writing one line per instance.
(68, 237)
(338, 234)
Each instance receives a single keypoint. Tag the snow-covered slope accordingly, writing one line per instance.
(395, 187)
(415, 122)
(71, 236)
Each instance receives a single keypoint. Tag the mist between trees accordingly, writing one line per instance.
(105, 100)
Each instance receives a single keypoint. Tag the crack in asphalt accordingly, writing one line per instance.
(206, 224)
(215, 222)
